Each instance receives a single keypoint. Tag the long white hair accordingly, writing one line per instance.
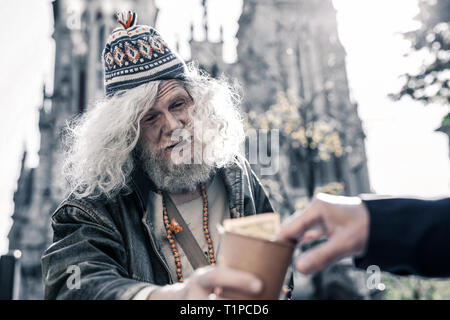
(99, 144)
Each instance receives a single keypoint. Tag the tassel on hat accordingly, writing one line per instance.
(126, 18)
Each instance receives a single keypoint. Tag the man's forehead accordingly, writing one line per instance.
(168, 87)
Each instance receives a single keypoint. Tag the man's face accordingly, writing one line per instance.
(169, 113)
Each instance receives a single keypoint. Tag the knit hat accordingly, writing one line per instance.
(136, 54)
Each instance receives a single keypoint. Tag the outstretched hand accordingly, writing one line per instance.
(344, 221)
(210, 281)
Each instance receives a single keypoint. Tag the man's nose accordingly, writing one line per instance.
(172, 123)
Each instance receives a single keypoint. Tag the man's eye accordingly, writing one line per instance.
(150, 119)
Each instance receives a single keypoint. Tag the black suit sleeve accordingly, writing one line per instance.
(409, 236)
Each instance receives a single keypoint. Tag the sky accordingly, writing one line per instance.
(405, 155)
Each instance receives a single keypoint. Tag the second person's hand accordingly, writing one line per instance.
(344, 221)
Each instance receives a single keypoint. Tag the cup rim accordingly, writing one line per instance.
(275, 242)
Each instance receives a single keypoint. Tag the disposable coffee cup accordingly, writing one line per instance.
(266, 259)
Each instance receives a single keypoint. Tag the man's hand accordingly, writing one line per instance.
(210, 280)
(343, 220)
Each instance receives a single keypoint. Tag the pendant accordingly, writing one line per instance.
(174, 226)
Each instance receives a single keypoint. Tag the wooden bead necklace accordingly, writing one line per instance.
(173, 228)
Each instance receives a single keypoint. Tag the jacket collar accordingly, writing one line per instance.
(232, 176)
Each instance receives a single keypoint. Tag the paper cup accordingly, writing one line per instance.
(268, 260)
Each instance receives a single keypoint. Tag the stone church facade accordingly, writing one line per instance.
(284, 45)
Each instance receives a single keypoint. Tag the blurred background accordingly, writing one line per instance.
(357, 89)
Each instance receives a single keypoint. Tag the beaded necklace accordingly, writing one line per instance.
(173, 228)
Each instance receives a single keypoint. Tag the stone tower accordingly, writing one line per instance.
(80, 32)
(292, 46)
(208, 54)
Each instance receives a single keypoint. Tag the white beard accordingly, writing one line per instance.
(170, 177)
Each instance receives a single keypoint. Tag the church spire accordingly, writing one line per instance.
(205, 18)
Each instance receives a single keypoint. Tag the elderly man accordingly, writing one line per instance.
(165, 141)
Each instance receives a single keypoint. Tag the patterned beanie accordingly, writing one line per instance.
(136, 54)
